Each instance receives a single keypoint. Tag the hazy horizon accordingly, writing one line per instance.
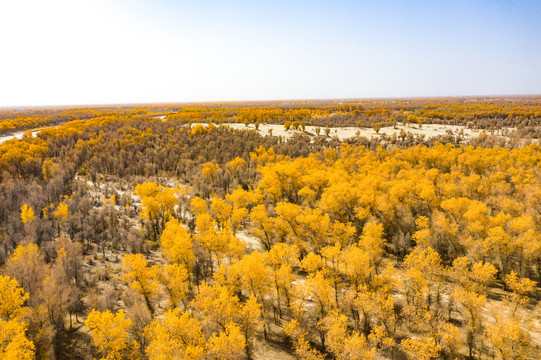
(76, 53)
(264, 101)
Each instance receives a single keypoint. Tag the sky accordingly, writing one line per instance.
(75, 52)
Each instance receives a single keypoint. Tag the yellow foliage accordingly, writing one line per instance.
(263, 156)
(12, 298)
(345, 345)
(110, 333)
(228, 345)
(13, 343)
(140, 277)
(175, 278)
(243, 199)
(302, 347)
(372, 241)
(147, 189)
(177, 244)
(521, 287)
(220, 210)
(27, 214)
(509, 340)
(236, 164)
(198, 205)
(176, 336)
(209, 170)
(421, 349)
(254, 275)
(62, 212)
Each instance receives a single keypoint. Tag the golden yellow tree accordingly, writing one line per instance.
(176, 336)
(220, 210)
(421, 348)
(110, 334)
(521, 287)
(281, 259)
(62, 212)
(345, 345)
(27, 214)
(210, 171)
(12, 298)
(174, 278)
(218, 307)
(423, 270)
(228, 344)
(295, 331)
(157, 205)
(177, 244)
(13, 342)
(263, 227)
(140, 277)
(509, 339)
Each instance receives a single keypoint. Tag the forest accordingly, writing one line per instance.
(158, 232)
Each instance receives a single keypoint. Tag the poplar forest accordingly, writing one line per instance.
(361, 229)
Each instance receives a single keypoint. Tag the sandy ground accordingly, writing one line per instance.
(429, 130)
(17, 135)
(251, 241)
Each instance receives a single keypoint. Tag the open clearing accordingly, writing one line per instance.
(428, 130)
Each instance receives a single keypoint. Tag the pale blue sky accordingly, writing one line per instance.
(121, 51)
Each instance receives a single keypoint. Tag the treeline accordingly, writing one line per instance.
(479, 114)
(523, 113)
(19, 120)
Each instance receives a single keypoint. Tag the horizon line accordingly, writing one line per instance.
(262, 101)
